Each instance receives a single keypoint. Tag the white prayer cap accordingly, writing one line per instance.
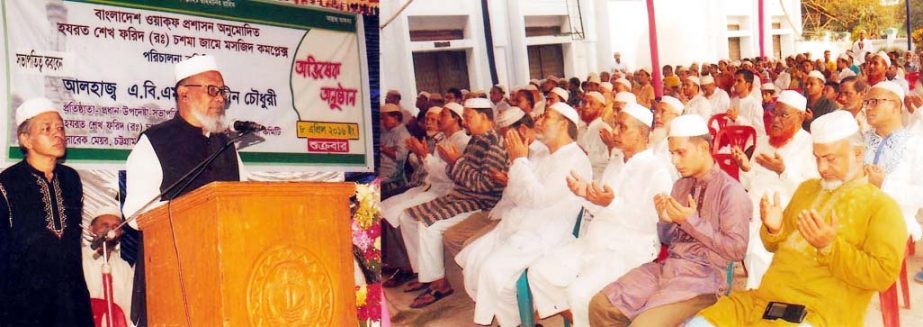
(707, 79)
(111, 209)
(531, 87)
(596, 95)
(768, 86)
(509, 117)
(551, 78)
(561, 93)
(793, 99)
(435, 96)
(694, 80)
(891, 87)
(477, 103)
(624, 82)
(393, 91)
(625, 97)
(434, 110)
(195, 65)
(681, 69)
(535, 81)
(390, 107)
(34, 107)
(844, 56)
(456, 108)
(593, 78)
(606, 86)
(735, 63)
(834, 126)
(423, 94)
(688, 125)
(746, 62)
(674, 104)
(640, 113)
(567, 111)
(884, 56)
(817, 75)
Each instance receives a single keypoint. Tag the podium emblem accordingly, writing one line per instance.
(289, 286)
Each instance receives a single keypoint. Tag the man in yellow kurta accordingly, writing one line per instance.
(838, 241)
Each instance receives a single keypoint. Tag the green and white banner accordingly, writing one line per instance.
(108, 64)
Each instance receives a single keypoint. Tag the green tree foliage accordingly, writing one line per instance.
(851, 16)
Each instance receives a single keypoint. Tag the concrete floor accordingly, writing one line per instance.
(458, 308)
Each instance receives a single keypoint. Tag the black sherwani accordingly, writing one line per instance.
(41, 275)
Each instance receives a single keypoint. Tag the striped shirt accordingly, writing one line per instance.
(475, 188)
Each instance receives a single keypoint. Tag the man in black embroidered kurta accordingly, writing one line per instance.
(41, 274)
(166, 151)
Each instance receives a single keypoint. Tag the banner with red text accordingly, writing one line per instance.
(109, 65)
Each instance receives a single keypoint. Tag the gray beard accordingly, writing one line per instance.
(211, 124)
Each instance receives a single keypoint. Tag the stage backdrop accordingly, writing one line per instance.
(108, 64)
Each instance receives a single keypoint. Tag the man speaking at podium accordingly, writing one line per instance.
(167, 151)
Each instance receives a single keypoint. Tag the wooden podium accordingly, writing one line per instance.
(252, 254)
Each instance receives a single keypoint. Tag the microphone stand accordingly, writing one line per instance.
(194, 172)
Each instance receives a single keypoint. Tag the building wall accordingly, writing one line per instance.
(688, 31)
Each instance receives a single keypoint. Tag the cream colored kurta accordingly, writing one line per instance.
(800, 166)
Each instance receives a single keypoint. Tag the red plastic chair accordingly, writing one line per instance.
(912, 79)
(99, 314)
(740, 136)
(728, 164)
(721, 120)
(890, 313)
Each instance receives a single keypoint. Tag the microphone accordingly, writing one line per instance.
(242, 126)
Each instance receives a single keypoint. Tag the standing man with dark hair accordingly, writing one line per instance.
(41, 274)
(167, 151)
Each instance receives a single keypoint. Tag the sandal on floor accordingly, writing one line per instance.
(434, 296)
(399, 278)
(415, 286)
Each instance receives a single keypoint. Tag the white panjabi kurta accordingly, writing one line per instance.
(536, 150)
(720, 101)
(699, 105)
(902, 161)
(752, 110)
(594, 146)
(144, 176)
(123, 276)
(437, 182)
(622, 236)
(783, 81)
(542, 219)
(800, 165)
(392, 169)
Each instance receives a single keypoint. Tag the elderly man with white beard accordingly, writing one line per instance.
(437, 182)
(166, 151)
(544, 214)
(838, 241)
(782, 160)
(591, 138)
(623, 232)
